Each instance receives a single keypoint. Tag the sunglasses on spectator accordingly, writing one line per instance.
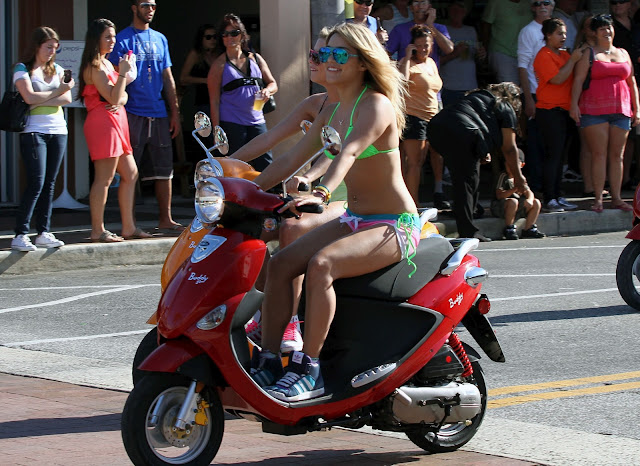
(148, 5)
(364, 2)
(544, 3)
(234, 33)
(340, 55)
(618, 2)
(209, 36)
(314, 57)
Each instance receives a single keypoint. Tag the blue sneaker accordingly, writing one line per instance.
(302, 381)
(265, 371)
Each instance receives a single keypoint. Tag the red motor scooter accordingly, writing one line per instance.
(391, 359)
(628, 269)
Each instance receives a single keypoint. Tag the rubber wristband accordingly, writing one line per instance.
(121, 76)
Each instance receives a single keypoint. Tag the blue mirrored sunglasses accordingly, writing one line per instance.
(340, 55)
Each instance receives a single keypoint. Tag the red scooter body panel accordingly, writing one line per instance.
(450, 296)
(198, 287)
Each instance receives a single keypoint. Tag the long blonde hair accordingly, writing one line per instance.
(381, 75)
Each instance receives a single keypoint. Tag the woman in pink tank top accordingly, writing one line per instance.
(606, 110)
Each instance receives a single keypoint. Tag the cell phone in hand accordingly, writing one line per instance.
(67, 76)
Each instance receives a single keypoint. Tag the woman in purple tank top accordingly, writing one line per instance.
(233, 82)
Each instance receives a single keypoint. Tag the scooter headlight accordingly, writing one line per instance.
(209, 200)
(213, 318)
(205, 169)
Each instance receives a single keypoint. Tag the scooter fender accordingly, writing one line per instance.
(634, 233)
(199, 286)
(170, 355)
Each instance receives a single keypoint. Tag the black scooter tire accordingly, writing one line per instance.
(145, 348)
(136, 412)
(453, 436)
(625, 276)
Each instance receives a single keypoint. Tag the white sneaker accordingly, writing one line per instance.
(47, 240)
(566, 205)
(292, 339)
(22, 243)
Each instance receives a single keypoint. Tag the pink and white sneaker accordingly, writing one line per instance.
(292, 339)
(254, 329)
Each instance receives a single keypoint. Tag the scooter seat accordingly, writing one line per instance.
(392, 283)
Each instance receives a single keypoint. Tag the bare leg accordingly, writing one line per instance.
(292, 229)
(585, 163)
(163, 194)
(532, 213)
(597, 137)
(616, 149)
(356, 254)
(105, 169)
(510, 208)
(126, 192)
(283, 267)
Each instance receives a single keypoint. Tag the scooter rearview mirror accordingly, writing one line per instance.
(220, 138)
(331, 140)
(305, 125)
(202, 123)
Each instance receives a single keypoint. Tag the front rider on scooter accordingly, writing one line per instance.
(381, 226)
(292, 229)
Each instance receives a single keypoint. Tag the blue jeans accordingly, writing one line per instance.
(42, 156)
(239, 135)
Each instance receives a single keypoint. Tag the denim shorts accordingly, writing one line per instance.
(615, 119)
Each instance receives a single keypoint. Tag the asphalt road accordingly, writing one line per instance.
(569, 392)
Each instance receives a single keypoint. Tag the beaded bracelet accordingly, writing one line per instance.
(324, 191)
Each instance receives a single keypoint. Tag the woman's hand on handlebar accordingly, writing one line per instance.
(297, 183)
(305, 203)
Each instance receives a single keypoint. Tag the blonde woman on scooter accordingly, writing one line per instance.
(380, 227)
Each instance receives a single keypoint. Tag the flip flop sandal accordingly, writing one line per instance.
(108, 237)
(138, 234)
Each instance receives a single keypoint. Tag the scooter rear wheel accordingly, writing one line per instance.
(628, 274)
(452, 436)
(148, 418)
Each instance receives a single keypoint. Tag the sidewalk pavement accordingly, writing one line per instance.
(56, 423)
(73, 227)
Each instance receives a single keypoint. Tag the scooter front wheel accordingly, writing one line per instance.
(145, 348)
(628, 274)
(148, 423)
(450, 437)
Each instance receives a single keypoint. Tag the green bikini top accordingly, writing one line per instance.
(369, 151)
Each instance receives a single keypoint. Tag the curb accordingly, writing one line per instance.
(86, 256)
(581, 222)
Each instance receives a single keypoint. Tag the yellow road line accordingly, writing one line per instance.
(516, 400)
(563, 383)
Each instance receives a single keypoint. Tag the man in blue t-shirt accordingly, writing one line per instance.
(425, 14)
(151, 129)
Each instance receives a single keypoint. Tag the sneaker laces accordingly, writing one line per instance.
(288, 380)
(291, 332)
(254, 330)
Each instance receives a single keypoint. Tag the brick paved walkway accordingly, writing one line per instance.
(50, 423)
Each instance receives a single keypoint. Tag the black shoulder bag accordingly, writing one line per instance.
(269, 105)
(587, 80)
(14, 112)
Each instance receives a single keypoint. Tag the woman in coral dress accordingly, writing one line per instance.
(107, 131)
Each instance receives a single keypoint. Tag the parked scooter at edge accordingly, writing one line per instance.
(628, 269)
(191, 236)
(427, 384)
